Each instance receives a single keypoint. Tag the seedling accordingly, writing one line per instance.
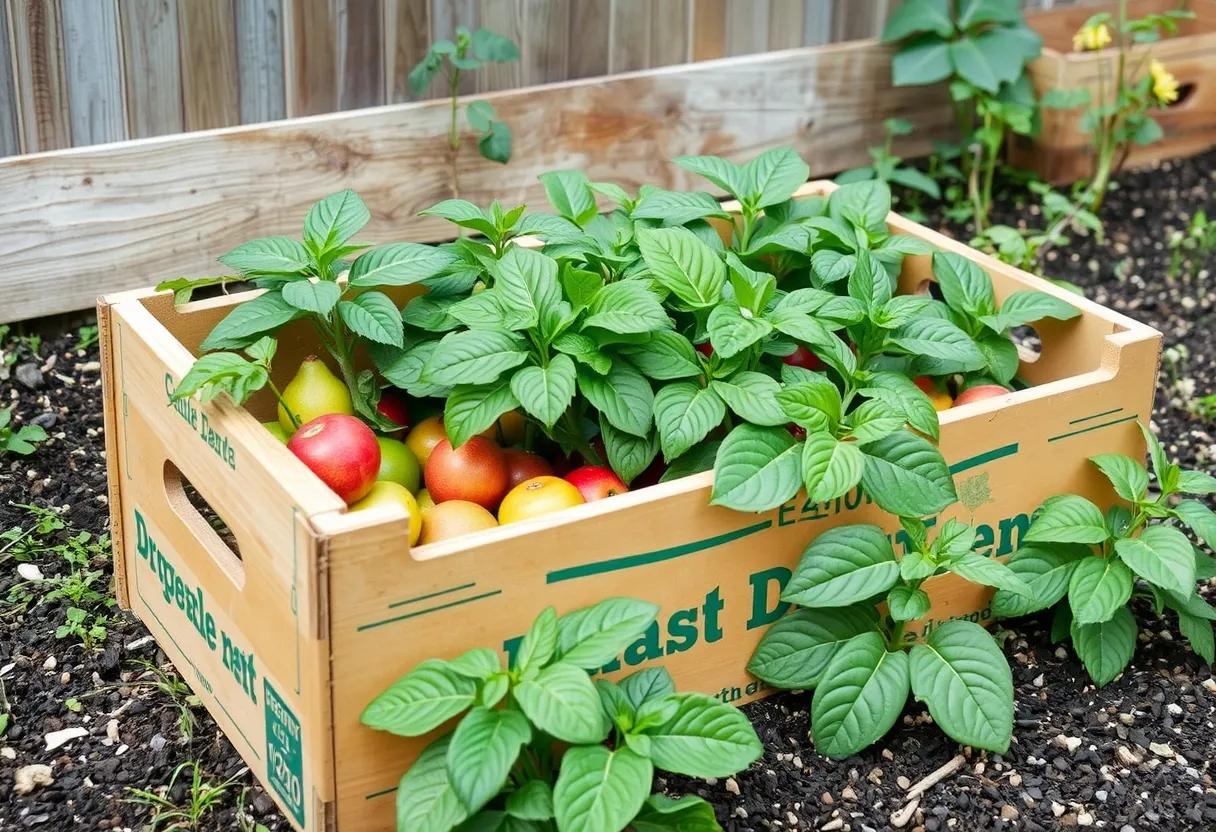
(857, 656)
(887, 167)
(1090, 565)
(1191, 250)
(1025, 247)
(541, 743)
(201, 800)
(86, 337)
(23, 544)
(23, 440)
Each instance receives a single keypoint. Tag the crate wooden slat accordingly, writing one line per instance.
(333, 606)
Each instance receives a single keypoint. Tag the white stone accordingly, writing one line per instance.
(56, 739)
(29, 572)
(28, 778)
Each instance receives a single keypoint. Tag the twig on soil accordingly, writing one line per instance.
(935, 777)
(900, 818)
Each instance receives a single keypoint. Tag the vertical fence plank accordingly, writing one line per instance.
(208, 49)
(547, 57)
(708, 29)
(446, 15)
(407, 28)
(746, 26)
(360, 54)
(817, 23)
(152, 67)
(670, 27)
(311, 58)
(10, 128)
(259, 60)
(589, 38)
(94, 73)
(854, 19)
(38, 57)
(629, 46)
(785, 24)
(509, 19)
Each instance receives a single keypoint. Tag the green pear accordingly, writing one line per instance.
(277, 431)
(315, 391)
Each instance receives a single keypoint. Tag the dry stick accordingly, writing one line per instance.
(935, 777)
(900, 819)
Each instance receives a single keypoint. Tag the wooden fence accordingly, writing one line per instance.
(79, 72)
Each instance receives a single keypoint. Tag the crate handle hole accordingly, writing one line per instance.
(1185, 91)
(205, 523)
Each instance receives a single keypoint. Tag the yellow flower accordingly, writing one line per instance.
(1091, 38)
(1165, 85)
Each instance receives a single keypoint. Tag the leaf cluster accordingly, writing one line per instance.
(887, 167)
(1090, 564)
(542, 746)
(23, 440)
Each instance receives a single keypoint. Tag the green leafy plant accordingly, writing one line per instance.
(86, 336)
(889, 168)
(1090, 565)
(857, 656)
(541, 746)
(1191, 250)
(981, 47)
(23, 440)
(469, 52)
(1025, 247)
(1119, 118)
(201, 799)
(24, 542)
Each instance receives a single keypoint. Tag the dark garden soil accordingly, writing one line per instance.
(1135, 755)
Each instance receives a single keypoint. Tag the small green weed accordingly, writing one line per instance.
(1192, 249)
(23, 440)
(168, 816)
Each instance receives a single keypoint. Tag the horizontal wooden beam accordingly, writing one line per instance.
(77, 223)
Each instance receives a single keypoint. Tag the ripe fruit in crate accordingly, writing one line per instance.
(392, 406)
(398, 464)
(536, 497)
(522, 465)
(940, 398)
(277, 431)
(383, 493)
(595, 482)
(508, 430)
(424, 499)
(802, 357)
(342, 451)
(314, 391)
(452, 519)
(978, 393)
(425, 436)
(476, 471)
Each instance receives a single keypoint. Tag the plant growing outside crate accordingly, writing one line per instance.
(887, 167)
(982, 48)
(23, 440)
(1025, 247)
(1091, 564)
(1192, 249)
(469, 52)
(856, 656)
(542, 746)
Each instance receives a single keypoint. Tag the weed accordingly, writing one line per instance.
(1192, 249)
(86, 337)
(167, 815)
(23, 440)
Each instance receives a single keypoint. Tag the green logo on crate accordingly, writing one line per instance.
(190, 414)
(284, 753)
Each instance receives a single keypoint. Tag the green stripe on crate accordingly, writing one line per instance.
(426, 611)
(981, 459)
(435, 594)
(630, 561)
(380, 793)
(1092, 427)
(1094, 416)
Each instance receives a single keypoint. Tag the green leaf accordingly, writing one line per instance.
(906, 475)
(988, 572)
(773, 176)
(704, 738)
(420, 701)
(426, 799)
(899, 390)
(1198, 631)
(491, 46)
(1026, 307)
(214, 373)
(912, 17)
(684, 265)
(965, 286)
(1161, 555)
(733, 329)
(570, 194)
(869, 283)
(318, 297)
(1129, 477)
(546, 392)
(628, 455)
(1062, 99)
(688, 814)
(1099, 587)
(924, 60)
(1200, 519)
(1001, 355)
(756, 469)
(399, 264)
(935, 338)
(626, 306)
(907, 604)
(796, 649)
(684, 414)
(649, 685)
(478, 663)
(1196, 482)
(875, 419)
(726, 175)
(623, 396)
(562, 702)
(1106, 648)
(676, 207)
(495, 142)
(531, 801)
(1046, 570)
(752, 397)
(463, 213)
(473, 357)
(527, 281)
(375, 317)
(860, 695)
(593, 636)
(964, 679)
(600, 790)
(814, 404)
(268, 256)
(484, 747)
(473, 408)
(973, 65)
(335, 219)
(264, 313)
(664, 356)
(1067, 518)
(830, 468)
(843, 566)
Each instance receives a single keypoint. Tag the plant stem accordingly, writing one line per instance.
(454, 136)
(897, 635)
(295, 420)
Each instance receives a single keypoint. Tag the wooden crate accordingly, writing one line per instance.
(287, 642)
(1062, 151)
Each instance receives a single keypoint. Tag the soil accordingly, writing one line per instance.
(1135, 755)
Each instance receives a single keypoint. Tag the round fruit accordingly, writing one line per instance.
(384, 493)
(277, 431)
(595, 482)
(392, 407)
(476, 471)
(424, 499)
(313, 392)
(425, 436)
(979, 393)
(452, 519)
(511, 424)
(342, 451)
(537, 496)
(802, 357)
(940, 398)
(522, 465)
(398, 464)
